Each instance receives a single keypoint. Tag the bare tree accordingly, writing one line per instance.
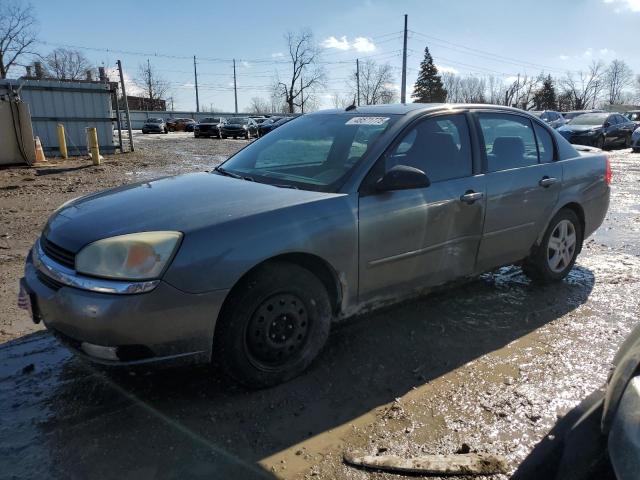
(67, 64)
(376, 83)
(618, 77)
(306, 71)
(153, 85)
(340, 101)
(258, 105)
(17, 34)
(586, 89)
(472, 89)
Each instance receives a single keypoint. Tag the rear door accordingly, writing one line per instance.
(410, 239)
(523, 182)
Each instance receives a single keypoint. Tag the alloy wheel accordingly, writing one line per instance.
(561, 246)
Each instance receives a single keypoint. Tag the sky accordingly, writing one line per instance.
(482, 37)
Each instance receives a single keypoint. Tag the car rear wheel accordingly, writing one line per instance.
(627, 141)
(554, 258)
(272, 326)
(247, 136)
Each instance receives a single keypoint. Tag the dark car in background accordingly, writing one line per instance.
(568, 116)
(634, 116)
(154, 125)
(553, 118)
(235, 127)
(208, 127)
(601, 130)
(328, 216)
(276, 122)
(181, 124)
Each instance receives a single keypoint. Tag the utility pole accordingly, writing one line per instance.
(235, 86)
(358, 80)
(403, 90)
(195, 74)
(301, 95)
(126, 106)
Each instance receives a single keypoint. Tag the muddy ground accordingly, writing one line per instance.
(492, 364)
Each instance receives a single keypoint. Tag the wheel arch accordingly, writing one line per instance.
(576, 208)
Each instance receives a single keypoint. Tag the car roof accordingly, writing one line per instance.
(405, 108)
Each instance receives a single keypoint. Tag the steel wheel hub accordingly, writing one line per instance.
(277, 329)
(561, 246)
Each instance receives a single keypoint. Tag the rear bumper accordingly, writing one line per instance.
(165, 325)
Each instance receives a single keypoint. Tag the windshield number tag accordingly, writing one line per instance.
(367, 121)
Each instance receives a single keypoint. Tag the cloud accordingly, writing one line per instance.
(564, 57)
(359, 44)
(363, 44)
(246, 64)
(277, 55)
(621, 5)
(445, 69)
(333, 42)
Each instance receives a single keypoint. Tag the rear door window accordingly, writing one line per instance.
(545, 143)
(439, 146)
(509, 141)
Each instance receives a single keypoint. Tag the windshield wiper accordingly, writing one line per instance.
(231, 174)
(284, 185)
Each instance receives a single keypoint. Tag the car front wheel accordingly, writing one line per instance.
(273, 325)
(552, 260)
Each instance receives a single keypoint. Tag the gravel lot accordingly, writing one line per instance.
(492, 364)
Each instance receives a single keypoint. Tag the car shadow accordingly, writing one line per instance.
(88, 420)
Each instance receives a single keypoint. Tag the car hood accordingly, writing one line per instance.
(182, 203)
(578, 128)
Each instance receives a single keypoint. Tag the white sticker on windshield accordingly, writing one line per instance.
(367, 121)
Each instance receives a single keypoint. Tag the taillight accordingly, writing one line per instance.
(608, 174)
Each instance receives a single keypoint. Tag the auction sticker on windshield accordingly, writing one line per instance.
(367, 121)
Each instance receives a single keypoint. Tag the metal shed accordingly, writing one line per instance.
(75, 104)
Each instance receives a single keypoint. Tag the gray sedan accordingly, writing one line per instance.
(332, 214)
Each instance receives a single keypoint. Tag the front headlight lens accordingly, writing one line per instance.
(136, 256)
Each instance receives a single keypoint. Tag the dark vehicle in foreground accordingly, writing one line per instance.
(553, 118)
(181, 124)
(154, 125)
(601, 130)
(235, 127)
(329, 215)
(208, 127)
(600, 436)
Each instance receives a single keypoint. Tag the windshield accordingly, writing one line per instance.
(589, 119)
(210, 120)
(237, 121)
(154, 120)
(314, 152)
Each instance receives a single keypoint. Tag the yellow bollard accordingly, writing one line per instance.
(93, 145)
(62, 141)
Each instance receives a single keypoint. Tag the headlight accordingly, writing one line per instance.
(136, 256)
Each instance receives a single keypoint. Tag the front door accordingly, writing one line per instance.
(411, 239)
(523, 183)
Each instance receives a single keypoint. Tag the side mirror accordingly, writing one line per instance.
(606, 125)
(402, 177)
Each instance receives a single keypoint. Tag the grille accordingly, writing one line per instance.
(49, 282)
(58, 254)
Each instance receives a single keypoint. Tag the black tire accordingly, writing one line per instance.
(247, 136)
(235, 137)
(224, 137)
(635, 150)
(627, 141)
(600, 143)
(537, 266)
(166, 131)
(278, 300)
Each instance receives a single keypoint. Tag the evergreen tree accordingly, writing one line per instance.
(545, 97)
(428, 87)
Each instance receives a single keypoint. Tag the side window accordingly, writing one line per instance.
(545, 143)
(508, 140)
(439, 146)
(612, 120)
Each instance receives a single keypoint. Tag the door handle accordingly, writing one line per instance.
(471, 196)
(547, 181)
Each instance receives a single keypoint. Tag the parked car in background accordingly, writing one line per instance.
(553, 118)
(277, 122)
(181, 124)
(635, 140)
(208, 127)
(154, 125)
(327, 216)
(265, 127)
(568, 116)
(634, 116)
(602, 130)
(235, 127)
(600, 438)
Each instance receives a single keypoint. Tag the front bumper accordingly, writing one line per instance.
(576, 139)
(164, 325)
(231, 133)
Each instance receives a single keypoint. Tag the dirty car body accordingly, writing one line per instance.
(331, 214)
